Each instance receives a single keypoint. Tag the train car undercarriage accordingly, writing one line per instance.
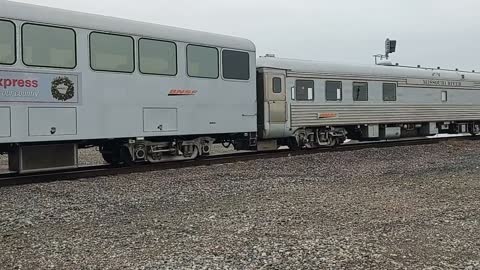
(314, 137)
(59, 156)
(31, 158)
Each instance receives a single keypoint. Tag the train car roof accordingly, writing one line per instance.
(325, 68)
(60, 17)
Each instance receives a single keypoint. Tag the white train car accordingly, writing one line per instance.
(308, 104)
(140, 91)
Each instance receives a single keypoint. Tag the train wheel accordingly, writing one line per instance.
(111, 153)
(126, 157)
(190, 151)
(293, 144)
(111, 158)
(333, 141)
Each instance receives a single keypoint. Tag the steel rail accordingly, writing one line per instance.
(85, 172)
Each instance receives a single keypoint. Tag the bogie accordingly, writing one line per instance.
(317, 137)
(142, 151)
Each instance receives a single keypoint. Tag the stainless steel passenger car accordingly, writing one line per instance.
(306, 103)
(139, 91)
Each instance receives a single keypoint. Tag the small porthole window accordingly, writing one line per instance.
(277, 85)
(444, 96)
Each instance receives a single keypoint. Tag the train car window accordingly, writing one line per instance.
(304, 90)
(444, 96)
(333, 90)
(360, 91)
(277, 85)
(48, 46)
(7, 43)
(157, 57)
(202, 62)
(109, 52)
(236, 65)
(389, 92)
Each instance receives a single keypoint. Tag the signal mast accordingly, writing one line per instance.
(390, 47)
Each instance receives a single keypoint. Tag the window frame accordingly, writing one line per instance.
(51, 26)
(341, 92)
(296, 90)
(158, 74)
(110, 34)
(218, 62)
(383, 92)
(15, 39)
(222, 66)
(353, 91)
(446, 96)
(273, 85)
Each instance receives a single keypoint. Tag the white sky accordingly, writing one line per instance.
(429, 32)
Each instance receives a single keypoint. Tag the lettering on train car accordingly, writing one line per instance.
(440, 83)
(16, 86)
(182, 92)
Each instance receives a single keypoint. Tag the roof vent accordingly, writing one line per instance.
(385, 63)
(270, 55)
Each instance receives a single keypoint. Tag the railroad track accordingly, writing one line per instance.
(12, 179)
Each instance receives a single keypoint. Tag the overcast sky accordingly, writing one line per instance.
(429, 32)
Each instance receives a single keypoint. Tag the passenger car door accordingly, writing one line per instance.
(276, 97)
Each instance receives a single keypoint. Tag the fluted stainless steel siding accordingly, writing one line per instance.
(308, 114)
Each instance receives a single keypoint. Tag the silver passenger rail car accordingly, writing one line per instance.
(139, 91)
(309, 104)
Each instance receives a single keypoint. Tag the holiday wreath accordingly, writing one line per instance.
(63, 88)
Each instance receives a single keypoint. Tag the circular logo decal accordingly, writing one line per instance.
(63, 89)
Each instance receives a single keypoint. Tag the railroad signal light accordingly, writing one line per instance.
(390, 47)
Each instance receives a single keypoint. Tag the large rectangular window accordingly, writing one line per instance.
(333, 91)
(236, 65)
(48, 46)
(202, 62)
(360, 91)
(304, 90)
(389, 92)
(110, 52)
(7, 43)
(157, 57)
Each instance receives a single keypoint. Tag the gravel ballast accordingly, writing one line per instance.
(414, 207)
(91, 156)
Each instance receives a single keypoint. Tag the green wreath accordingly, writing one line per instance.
(70, 88)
